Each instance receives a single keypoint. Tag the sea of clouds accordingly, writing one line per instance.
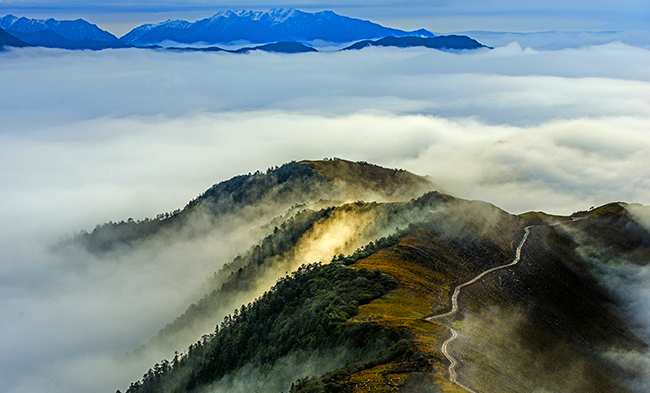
(88, 137)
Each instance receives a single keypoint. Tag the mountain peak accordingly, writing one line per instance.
(277, 24)
(33, 31)
(280, 15)
(223, 14)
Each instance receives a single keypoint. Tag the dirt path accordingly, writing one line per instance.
(454, 308)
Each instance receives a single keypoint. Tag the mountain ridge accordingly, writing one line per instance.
(264, 27)
(10, 40)
(440, 242)
(65, 34)
(278, 31)
(290, 184)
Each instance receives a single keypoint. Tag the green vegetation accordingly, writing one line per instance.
(267, 193)
(274, 255)
(244, 272)
(367, 311)
(291, 182)
(305, 311)
(255, 187)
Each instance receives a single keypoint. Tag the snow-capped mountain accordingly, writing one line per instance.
(220, 28)
(75, 30)
(261, 27)
(68, 34)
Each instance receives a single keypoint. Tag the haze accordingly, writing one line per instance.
(88, 137)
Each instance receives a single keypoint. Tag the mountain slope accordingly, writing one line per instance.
(421, 294)
(66, 34)
(7, 39)
(544, 325)
(326, 26)
(51, 39)
(305, 237)
(220, 28)
(548, 323)
(264, 27)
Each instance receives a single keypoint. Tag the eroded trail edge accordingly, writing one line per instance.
(454, 308)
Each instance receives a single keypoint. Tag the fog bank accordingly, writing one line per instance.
(88, 137)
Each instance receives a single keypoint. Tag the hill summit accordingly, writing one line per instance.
(264, 194)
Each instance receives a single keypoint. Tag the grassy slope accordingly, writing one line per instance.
(428, 263)
(545, 324)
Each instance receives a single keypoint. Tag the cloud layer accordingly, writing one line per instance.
(92, 137)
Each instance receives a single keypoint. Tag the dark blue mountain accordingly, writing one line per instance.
(50, 39)
(7, 39)
(184, 49)
(445, 42)
(263, 27)
(277, 47)
(66, 34)
(280, 47)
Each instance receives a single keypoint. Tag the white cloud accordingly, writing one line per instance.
(88, 137)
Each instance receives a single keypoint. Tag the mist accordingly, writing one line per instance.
(91, 137)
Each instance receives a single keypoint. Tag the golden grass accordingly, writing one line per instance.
(420, 290)
(371, 380)
(424, 283)
(541, 218)
(610, 209)
(388, 378)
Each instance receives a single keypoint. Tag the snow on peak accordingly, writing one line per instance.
(274, 16)
(75, 30)
(225, 14)
(279, 15)
(7, 21)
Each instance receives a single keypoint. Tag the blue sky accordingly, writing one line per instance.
(441, 15)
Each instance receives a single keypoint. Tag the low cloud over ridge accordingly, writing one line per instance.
(92, 137)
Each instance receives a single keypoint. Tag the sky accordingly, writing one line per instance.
(119, 17)
(553, 122)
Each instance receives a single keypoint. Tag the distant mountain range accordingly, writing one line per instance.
(263, 27)
(66, 34)
(279, 30)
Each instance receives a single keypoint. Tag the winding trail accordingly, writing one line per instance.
(454, 308)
